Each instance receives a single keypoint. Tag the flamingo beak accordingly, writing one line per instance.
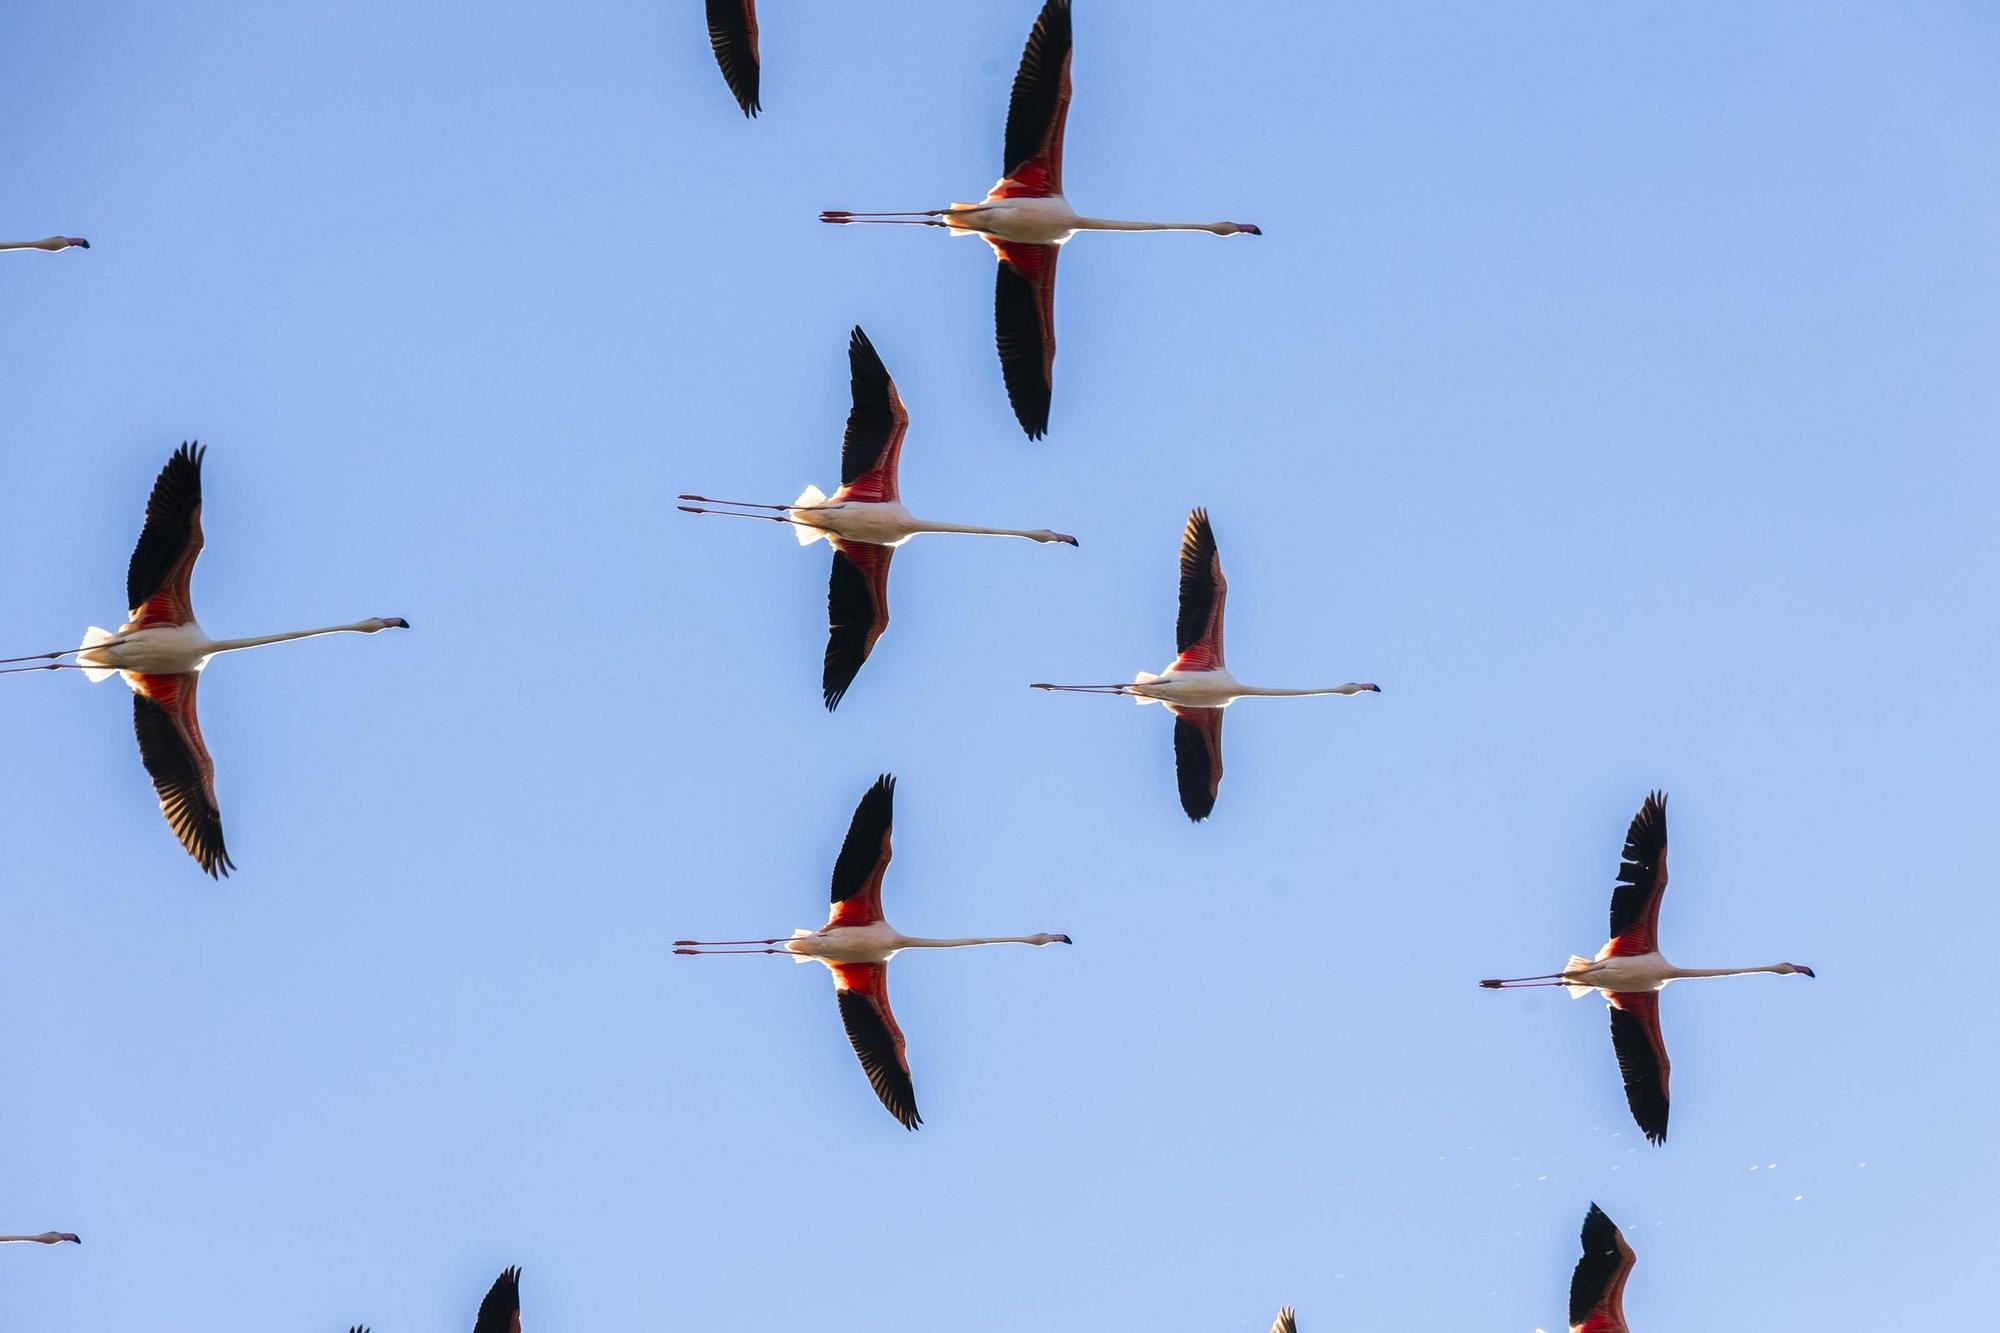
(1805, 970)
(395, 622)
(1066, 939)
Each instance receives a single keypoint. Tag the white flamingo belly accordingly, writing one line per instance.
(877, 522)
(876, 942)
(1626, 973)
(165, 650)
(1189, 689)
(1032, 220)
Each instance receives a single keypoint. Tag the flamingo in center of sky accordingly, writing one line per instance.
(856, 944)
(1196, 687)
(1630, 971)
(864, 520)
(1025, 218)
(50, 243)
(161, 651)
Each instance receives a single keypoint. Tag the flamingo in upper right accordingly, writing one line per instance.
(1026, 220)
(1195, 687)
(50, 243)
(1630, 970)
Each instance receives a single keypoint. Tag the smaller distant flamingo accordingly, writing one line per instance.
(1630, 971)
(1027, 221)
(1195, 687)
(50, 243)
(45, 1238)
(1597, 1287)
(864, 521)
(732, 31)
(500, 1312)
(161, 652)
(856, 944)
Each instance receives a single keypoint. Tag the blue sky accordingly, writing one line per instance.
(1612, 384)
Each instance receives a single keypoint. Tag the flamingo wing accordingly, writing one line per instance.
(1597, 1288)
(857, 611)
(864, 858)
(876, 425)
(500, 1312)
(863, 992)
(1039, 109)
(1198, 633)
(1642, 881)
(1285, 1323)
(1198, 758)
(1024, 329)
(176, 758)
(732, 31)
(1642, 1058)
(156, 582)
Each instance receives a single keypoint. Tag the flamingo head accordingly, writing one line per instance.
(1242, 229)
(1046, 536)
(389, 622)
(1800, 968)
(57, 1238)
(1052, 939)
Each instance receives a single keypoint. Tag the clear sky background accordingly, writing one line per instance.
(1613, 384)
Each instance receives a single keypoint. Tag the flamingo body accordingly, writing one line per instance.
(864, 520)
(1196, 686)
(856, 944)
(1026, 219)
(161, 651)
(1630, 971)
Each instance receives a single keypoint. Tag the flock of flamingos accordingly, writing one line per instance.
(161, 650)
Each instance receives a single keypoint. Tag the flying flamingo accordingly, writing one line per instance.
(161, 652)
(1195, 687)
(732, 31)
(1285, 1322)
(856, 944)
(1631, 972)
(45, 1238)
(1597, 1288)
(500, 1312)
(863, 521)
(1026, 220)
(50, 243)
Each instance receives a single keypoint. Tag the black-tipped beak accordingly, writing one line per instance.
(397, 622)
(1807, 971)
(1374, 689)
(82, 244)
(1066, 939)
(1252, 230)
